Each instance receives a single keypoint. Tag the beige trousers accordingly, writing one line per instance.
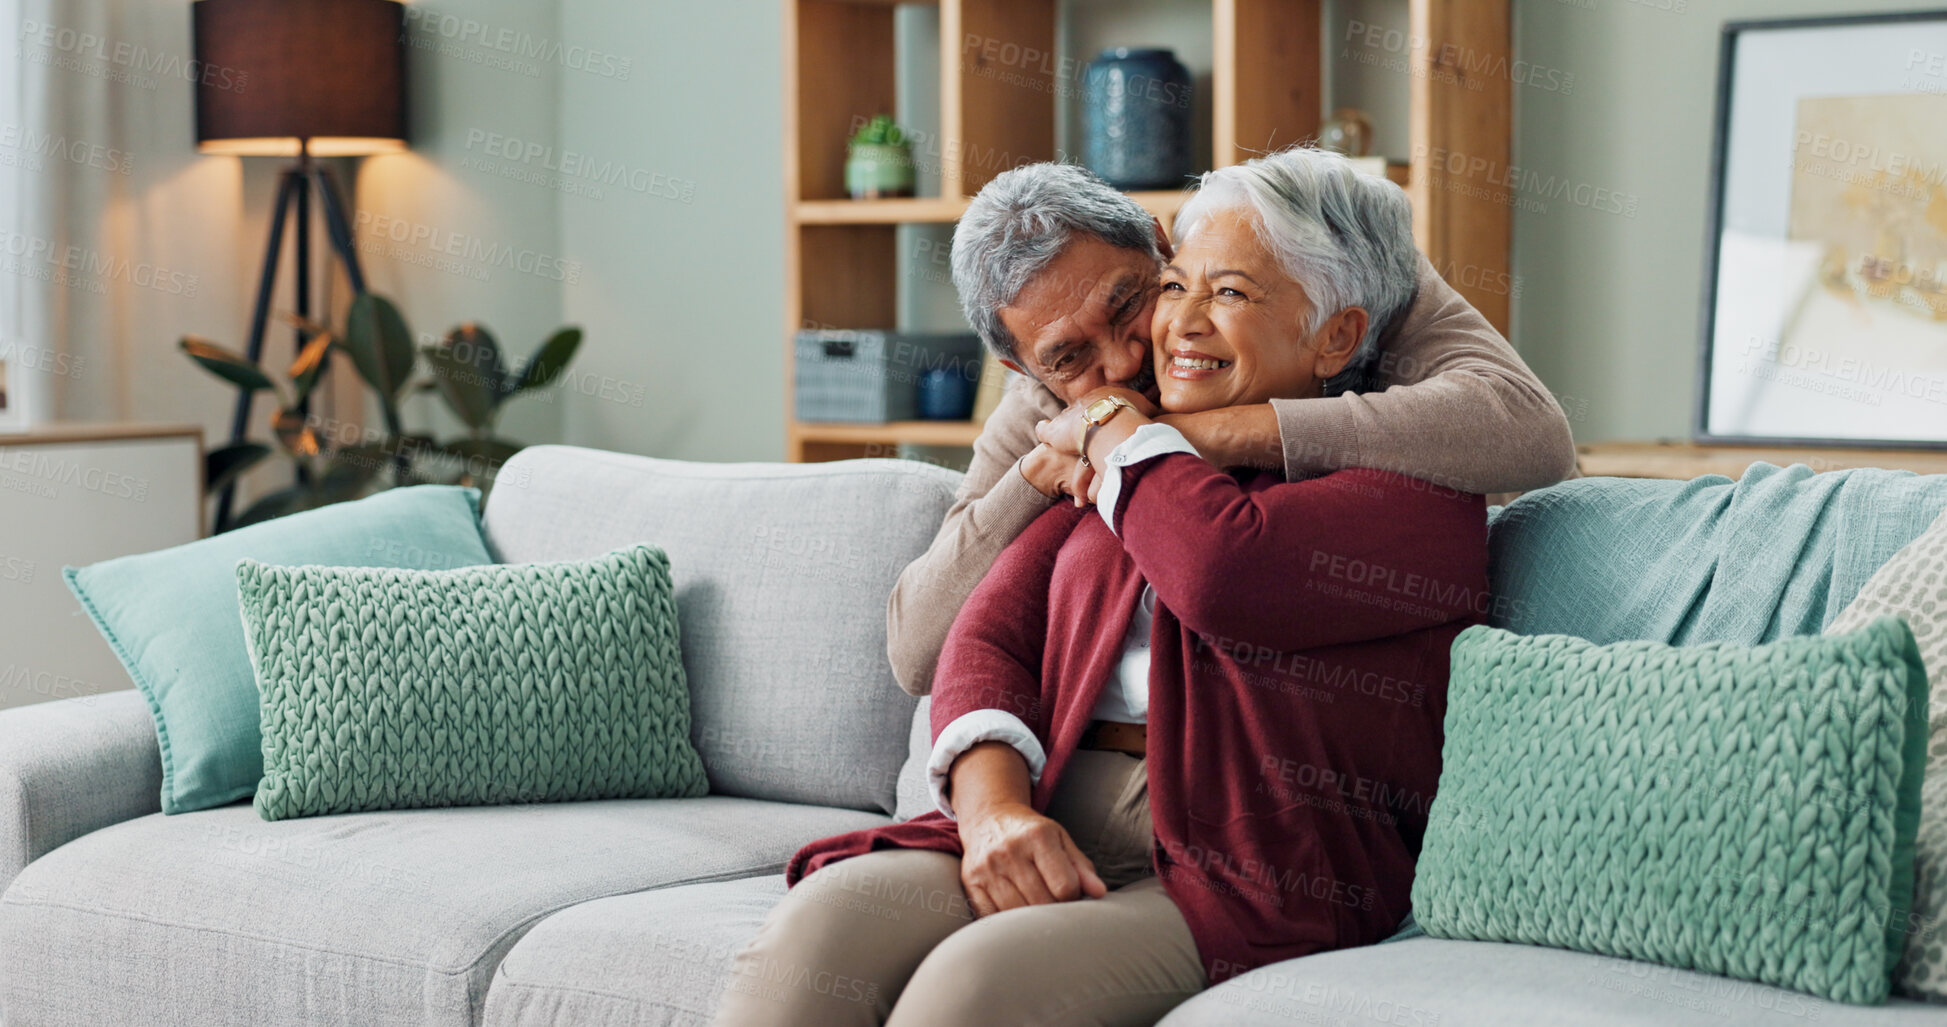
(888, 937)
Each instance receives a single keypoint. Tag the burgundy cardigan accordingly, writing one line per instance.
(1297, 687)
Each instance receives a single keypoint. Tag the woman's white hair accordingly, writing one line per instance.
(1344, 235)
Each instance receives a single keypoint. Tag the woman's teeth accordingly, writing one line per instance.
(1198, 363)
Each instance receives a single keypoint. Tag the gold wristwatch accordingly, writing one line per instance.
(1097, 414)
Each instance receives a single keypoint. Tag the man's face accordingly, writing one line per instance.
(1084, 321)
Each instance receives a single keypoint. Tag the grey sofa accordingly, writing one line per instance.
(627, 912)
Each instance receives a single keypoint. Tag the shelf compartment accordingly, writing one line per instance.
(997, 104)
(848, 276)
(1269, 76)
(844, 71)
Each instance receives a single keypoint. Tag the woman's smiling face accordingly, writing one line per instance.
(1230, 324)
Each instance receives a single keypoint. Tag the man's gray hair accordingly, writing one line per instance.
(1345, 235)
(1020, 222)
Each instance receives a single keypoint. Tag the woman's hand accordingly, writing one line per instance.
(1063, 434)
(1013, 856)
(1064, 431)
(1017, 857)
(1056, 474)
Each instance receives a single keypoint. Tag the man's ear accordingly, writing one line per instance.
(1163, 241)
(1337, 340)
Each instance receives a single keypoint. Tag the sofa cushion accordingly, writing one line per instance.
(1426, 982)
(1743, 810)
(171, 618)
(532, 682)
(218, 918)
(782, 573)
(915, 787)
(653, 959)
(1777, 553)
(1913, 586)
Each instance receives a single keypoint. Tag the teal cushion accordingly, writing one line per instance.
(537, 682)
(1741, 811)
(1775, 554)
(171, 617)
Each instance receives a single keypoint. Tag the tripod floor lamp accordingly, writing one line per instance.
(298, 79)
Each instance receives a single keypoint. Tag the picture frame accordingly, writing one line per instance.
(1824, 313)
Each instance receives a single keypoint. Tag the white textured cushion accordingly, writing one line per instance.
(1432, 982)
(782, 573)
(217, 918)
(1913, 586)
(653, 959)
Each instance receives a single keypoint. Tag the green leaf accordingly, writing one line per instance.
(379, 343)
(226, 465)
(550, 360)
(226, 364)
(473, 345)
(465, 390)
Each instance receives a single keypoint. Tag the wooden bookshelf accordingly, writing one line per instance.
(1268, 74)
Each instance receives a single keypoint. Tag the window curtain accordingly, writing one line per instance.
(120, 237)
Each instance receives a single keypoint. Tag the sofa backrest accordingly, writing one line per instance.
(782, 573)
(1777, 553)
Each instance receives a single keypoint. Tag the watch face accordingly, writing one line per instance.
(1100, 409)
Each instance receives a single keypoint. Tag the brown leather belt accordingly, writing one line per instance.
(1116, 737)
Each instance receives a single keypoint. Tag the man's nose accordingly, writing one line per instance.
(1126, 357)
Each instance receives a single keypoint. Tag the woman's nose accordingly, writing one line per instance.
(1189, 318)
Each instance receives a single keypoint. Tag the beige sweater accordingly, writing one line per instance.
(1458, 408)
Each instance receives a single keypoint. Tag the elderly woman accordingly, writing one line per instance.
(1288, 642)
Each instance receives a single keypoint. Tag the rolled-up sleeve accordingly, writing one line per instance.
(969, 730)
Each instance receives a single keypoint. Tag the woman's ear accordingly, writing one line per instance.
(1337, 340)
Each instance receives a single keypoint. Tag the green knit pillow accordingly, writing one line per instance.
(398, 689)
(1740, 811)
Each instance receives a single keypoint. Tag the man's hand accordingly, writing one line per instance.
(1054, 473)
(1016, 857)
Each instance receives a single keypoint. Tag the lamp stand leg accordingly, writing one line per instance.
(288, 185)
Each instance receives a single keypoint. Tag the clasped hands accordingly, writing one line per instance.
(1056, 468)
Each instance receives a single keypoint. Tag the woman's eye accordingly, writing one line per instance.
(1227, 291)
(1172, 286)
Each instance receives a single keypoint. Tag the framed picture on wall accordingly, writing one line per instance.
(1825, 300)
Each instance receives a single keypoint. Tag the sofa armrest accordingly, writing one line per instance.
(70, 767)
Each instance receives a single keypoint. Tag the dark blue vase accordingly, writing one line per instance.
(1136, 122)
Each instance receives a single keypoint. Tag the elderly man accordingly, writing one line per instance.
(1057, 271)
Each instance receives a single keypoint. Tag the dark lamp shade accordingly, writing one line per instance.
(270, 73)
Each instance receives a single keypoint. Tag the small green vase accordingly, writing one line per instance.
(875, 171)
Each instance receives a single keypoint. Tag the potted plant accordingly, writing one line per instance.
(879, 161)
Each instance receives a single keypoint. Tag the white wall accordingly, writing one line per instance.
(682, 293)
